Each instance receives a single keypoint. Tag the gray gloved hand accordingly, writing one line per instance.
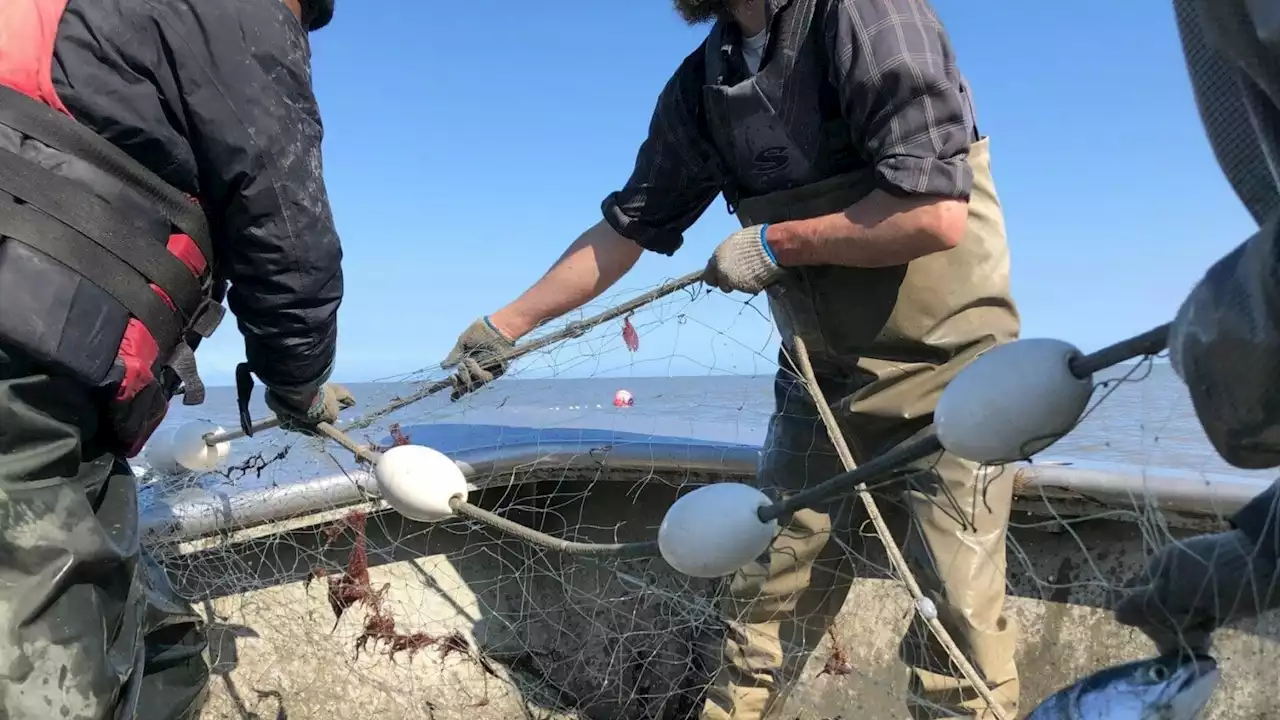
(1194, 586)
(475, 357)
(300, 416)
(743, 262)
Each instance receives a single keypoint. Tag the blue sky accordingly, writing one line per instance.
(467, 143)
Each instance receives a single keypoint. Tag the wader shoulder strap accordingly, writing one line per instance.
(714, 64)
(33, 118)
(714, 52)
(973, 111)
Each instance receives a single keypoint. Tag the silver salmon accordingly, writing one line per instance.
(1169, 687)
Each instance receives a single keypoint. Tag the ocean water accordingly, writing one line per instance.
(1142, 416)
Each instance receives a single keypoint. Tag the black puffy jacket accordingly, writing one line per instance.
(215, 97)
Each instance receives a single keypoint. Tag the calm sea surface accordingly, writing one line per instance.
(1147, 421)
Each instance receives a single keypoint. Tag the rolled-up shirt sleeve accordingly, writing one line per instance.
(675, 176)
(902, 94)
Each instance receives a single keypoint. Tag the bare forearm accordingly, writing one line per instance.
(591, 265)
(879, 231)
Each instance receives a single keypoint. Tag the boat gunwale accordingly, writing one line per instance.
(193, 512)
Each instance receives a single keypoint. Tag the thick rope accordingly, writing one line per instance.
(896, 560)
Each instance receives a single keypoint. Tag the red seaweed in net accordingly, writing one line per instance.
(629, 335)
(376, 627)
(332, 531)
(454, 642)
(409, 643)
(380, 627)
(353, 585)
(398, 436)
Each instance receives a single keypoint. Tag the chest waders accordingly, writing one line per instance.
(106, 287)
(884, 342)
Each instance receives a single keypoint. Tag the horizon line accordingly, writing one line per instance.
(392, 381)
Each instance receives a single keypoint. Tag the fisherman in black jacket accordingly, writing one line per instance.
(1225, 341)
(156, 159)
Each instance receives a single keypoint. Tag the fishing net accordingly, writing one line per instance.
(322, 602)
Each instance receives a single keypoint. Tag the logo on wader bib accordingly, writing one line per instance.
(770, 160)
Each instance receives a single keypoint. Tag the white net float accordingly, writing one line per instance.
(714, 530)
(419, 482)
(158, 453)
(1011, 402)
(190, 450)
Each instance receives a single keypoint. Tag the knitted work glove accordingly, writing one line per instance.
(475, 357)
(743, 262)
(299, 417)
(1194, 586)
